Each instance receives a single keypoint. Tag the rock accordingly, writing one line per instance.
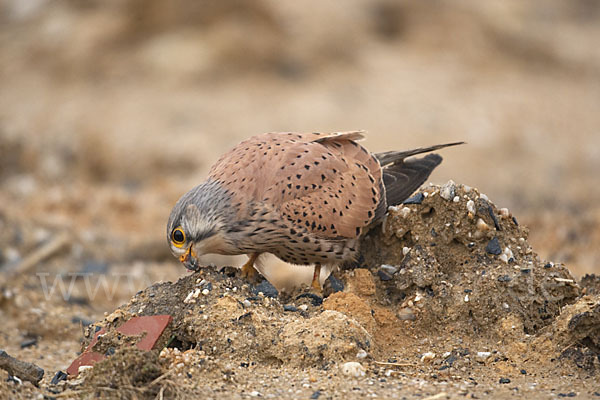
(447, 191)
(335, 285)
(290, 308)
(390, 269)
(416, 199)
(482, 356)
(493, 247)
(384, 276)
(504, 380)
(353, 368)
(266, 289)
(29, 343)
(406, 314)
(59, 376)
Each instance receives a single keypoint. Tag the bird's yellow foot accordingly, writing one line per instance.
(248, 270)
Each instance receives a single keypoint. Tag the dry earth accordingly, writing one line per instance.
(110, 110)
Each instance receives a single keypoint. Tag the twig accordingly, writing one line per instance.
(22, 369)
(42, 253)
(394, 364)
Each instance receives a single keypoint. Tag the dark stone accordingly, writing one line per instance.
(110, 351)
(504, 380)
(290, 308)
(493, 247)
(525, 270)
(315, 299)
(504, 278)
(468, 291)
(570, 394)
(266, 288)
(493, 216)
(515, 221)
(28, 343)
(524, 372)
(315, 395)
(384, 276)
(59, 376)
(548, 266)
(416, 199)
(335, 284)
(451, 359)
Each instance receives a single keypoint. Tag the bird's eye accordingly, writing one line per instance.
(178, 237)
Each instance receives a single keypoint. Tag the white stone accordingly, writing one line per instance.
(482, 356)
(361, 354)
(353, 368)
(471, 206)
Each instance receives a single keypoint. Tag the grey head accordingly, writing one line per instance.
(198, 224)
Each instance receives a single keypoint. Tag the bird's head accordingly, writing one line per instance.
(196, 227)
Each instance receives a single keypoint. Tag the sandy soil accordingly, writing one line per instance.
(110, 110)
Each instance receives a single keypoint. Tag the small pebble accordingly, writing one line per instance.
(59, 376)
(266, 288)
(29, 343)
(456, 199)
(416, 199)
(493, 247)
(315, 395)
(390, 269)
(384, 276)
(428, 357)
(205, 292)
(570, 394)
(290, 308)
(471, 206)
(361, 354)
(447, 190)
(255, 394)
(483, 356)
(504, 380)
(524, 372)
(406, 314)
(353, 368)
(504, 278)
(335, 284)
(405, 250)
(482, 226)
(404, 212)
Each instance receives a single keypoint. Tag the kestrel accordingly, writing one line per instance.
(304, 197)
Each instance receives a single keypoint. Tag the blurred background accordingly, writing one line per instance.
(111, 109)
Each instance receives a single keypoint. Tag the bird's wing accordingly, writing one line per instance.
(403, 176)
(328, 184)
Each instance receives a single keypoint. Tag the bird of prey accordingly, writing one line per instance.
(304, 197)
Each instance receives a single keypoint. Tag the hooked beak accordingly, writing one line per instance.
(189, 260)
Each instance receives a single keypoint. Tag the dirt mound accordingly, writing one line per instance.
(447, 289)
(467, 262)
